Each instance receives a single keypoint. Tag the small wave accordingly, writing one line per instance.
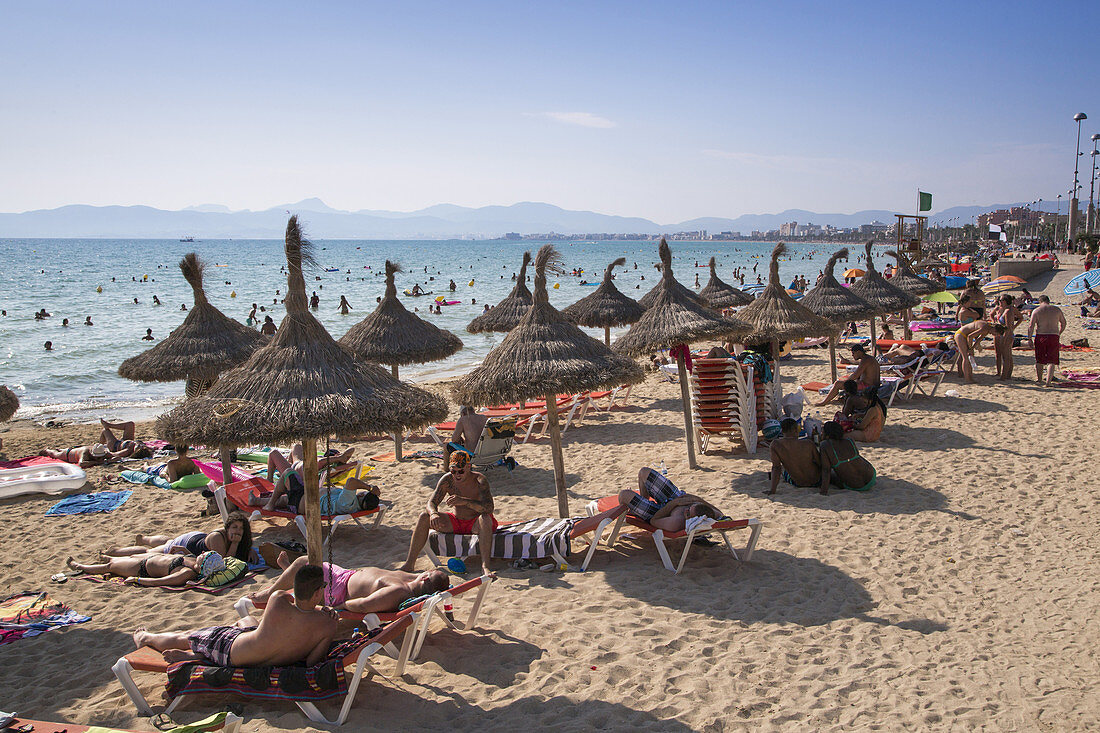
(93, 408)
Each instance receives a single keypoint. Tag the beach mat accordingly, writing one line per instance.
(211, 589)
(28, 461)
(27, 614)
(100, 501)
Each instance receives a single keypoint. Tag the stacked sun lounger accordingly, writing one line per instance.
(726, 399)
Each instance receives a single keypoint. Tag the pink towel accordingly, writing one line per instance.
(29, 461)
(213, 470)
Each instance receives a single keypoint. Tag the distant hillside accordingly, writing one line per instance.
(214, 221)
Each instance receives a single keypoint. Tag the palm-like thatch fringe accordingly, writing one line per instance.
(392, 335)
(829, 299)
(300, 385)
(875, 289)
(719, 295)
(506, 315)
(606, 306)
(647, 300)
(9, 403)
(909, 281)
(207, 342)
(544, 355)
(776, 316)
(675, 317)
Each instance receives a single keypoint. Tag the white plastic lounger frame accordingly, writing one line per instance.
(124, 673)
(737, 379)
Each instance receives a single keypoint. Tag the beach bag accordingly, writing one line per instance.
(234, 569)
(1080, 343)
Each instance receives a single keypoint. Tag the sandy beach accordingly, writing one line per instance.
(959, 593)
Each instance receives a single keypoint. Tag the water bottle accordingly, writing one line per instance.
(664, 469)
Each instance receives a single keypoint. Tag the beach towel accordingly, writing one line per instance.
(1085, 380)
(143, 477)
(391, 457)
(99, 501)
(299, 683)
(26, 614)
(28, 461)
(193, 585)
(213, 470)
(534, 538)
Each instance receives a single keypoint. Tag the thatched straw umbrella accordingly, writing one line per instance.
(875, 289)
(775, 316)
(605, 307)
(9, 403)
(836, 303)
(720, 295)
(393, 336)
(506, 315)
(905, 279)
(674, 319)
(206, 344)
(543, 356)
(649, 299)
(301, 385)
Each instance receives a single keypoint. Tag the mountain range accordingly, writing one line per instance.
(443, 221)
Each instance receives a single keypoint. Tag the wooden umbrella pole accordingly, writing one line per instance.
(874, 341)
(555, 452)
(607, 335)
(777, 388)
(685, 398)
(397, 433)
(224, 455)
(908, 317)
(312, 501)
(832, 356)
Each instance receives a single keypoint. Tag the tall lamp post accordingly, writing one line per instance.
(1090, 217)
(1079, 118)
(1057, 218)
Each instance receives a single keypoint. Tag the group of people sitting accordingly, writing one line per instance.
(821, 461)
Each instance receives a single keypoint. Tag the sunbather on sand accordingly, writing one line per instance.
(866, 375)
(175, 469)
(794, 460)
(660, 503)
(109, 448)
(232, 540)
(466, 492)
(841, 464)
(292, 630)
(155, 569)
(363, 590)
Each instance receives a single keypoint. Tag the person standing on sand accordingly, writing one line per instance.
(1047, 324)
(1006, 313)
(967, 337)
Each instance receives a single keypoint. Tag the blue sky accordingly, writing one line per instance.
(662, 110)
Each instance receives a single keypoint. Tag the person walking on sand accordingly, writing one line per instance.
(1046, 326)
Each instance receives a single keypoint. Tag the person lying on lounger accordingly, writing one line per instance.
(290, 488)
(156, 569)
(841, 464)
(175, 469)
(362, 590)
(232, 540)
(292, 630)
(660, 503)
(794, 460)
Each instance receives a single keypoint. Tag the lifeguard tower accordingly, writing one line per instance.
(911, 247)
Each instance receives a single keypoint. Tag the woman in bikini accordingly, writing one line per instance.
(155, 569)
(232, 540)
(841, 464)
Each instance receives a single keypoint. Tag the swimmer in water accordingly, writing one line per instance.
(345, 306)
(40, 315)
(148, 335)
(135, 301)
(156, 300)
(49, 346)
(88, 321)
(65, 322)
(183, 306)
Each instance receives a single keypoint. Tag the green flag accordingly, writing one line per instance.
(925, 201)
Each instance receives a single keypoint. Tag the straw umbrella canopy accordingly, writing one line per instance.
(721, 295)
(775, 316)
(506, 315)
(207, 342)
(543, 356)
(9, 403)
(836, 303)
(393, 336)
(605, 307)
(905, 279)
(649, 299)
(875, 289)
(301, 385)
(677, 318)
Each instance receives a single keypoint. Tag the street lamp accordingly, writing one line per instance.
(1078, 118)
(1057, 218)
(1090, 218)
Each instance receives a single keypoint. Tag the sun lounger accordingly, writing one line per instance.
(723, 401)
(595, 508)
(237, 494)
(534, 539)
(226, 721)
(619, 395)
(436, 604)
(494, 444)
(356, 653)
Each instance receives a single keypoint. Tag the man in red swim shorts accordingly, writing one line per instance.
(1047, 323)
(466, 493)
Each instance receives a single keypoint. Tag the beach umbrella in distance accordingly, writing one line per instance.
(304, 386)
(941, 297)
(207, 343)
(854, 272)
(605, 307)
(775, 316)
(391, 335)
(1000, 286)
(9, 403)
(545, 355)
(719, 295)
(505, 315)
(753, 289)
(905, 279)
(677, 318)
(875, 289)
(836, 303)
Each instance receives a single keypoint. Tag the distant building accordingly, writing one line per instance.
(875, 227)
(757, 234)
(513, 235)
(788, 229)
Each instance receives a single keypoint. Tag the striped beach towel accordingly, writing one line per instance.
(535, 538)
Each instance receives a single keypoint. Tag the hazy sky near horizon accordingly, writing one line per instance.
(663, 110)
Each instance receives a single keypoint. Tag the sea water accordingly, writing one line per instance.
(78, 380)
